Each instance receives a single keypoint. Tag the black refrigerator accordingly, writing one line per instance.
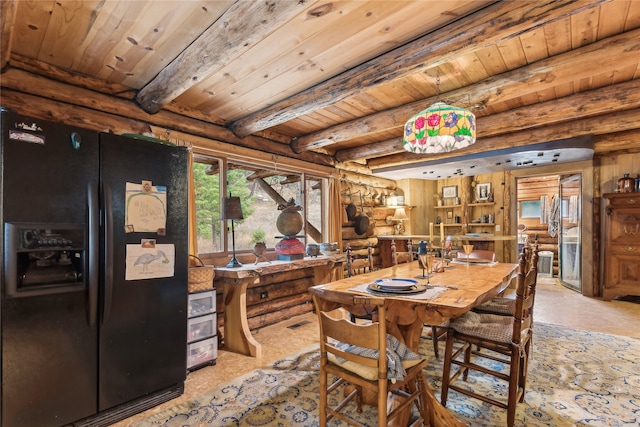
(94, 274)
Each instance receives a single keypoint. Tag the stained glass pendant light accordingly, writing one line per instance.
(439, 129)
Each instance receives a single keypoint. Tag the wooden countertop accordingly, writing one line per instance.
(276, 266)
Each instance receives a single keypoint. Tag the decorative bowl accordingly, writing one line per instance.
(313, 250)
(329, 248)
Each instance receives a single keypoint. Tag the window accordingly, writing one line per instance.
(530, 209)
(208, 192)
(314, 209)
(261, 188)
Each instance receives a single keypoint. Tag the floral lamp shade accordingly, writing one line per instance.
(439, 129)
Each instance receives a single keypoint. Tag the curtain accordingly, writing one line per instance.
(335, 216)
(573, 209)
(554, 216)
(193, 239)
(544, 209)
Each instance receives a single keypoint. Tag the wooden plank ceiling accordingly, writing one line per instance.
(334, 82)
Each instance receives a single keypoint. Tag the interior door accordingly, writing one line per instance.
(569, 243)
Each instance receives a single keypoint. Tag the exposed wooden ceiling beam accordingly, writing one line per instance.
(369, 151)
(618, 143)
(7, 17)
(611, 54)
(27, 83)
(500, 21)
(623, 96)
(613, 122)
(242, 25)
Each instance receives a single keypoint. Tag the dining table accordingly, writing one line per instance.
(414, 299)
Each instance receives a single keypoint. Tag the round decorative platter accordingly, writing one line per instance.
(396, 283)
(397, 286)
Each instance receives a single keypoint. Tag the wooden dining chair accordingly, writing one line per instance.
(502, 339)
(357, 266)
(356, 354)
(504, 304)
(401, 257)
(478, 254)
(437, 331)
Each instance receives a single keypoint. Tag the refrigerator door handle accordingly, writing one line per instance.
(93, 252)
(108, 252)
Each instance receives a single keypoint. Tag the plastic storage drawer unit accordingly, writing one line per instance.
(202, 338)
(202, 352)
(202, 303)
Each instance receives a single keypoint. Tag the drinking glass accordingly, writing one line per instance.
(467, 251)
(427, 263)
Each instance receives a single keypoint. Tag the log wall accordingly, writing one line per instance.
(375, 191)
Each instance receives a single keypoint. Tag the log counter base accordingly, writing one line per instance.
(237, 335)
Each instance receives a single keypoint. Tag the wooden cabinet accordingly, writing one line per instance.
(622, 245)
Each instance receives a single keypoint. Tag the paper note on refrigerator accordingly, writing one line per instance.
(145, 211)
(149, 263)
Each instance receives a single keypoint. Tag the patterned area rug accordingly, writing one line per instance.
(576, 378)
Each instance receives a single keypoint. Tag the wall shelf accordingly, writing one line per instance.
(397, 206)
(482, 204)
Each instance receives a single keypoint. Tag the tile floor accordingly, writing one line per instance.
(555, 304)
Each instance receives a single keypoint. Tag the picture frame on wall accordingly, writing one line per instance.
(450, 192)
(483, 191)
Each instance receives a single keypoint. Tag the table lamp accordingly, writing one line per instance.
(231, 210)
(399, 215)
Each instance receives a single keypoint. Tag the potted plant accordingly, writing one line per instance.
(257, 238)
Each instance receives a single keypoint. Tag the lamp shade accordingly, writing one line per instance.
(400, 215)
(439, 129)
(231, 208)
